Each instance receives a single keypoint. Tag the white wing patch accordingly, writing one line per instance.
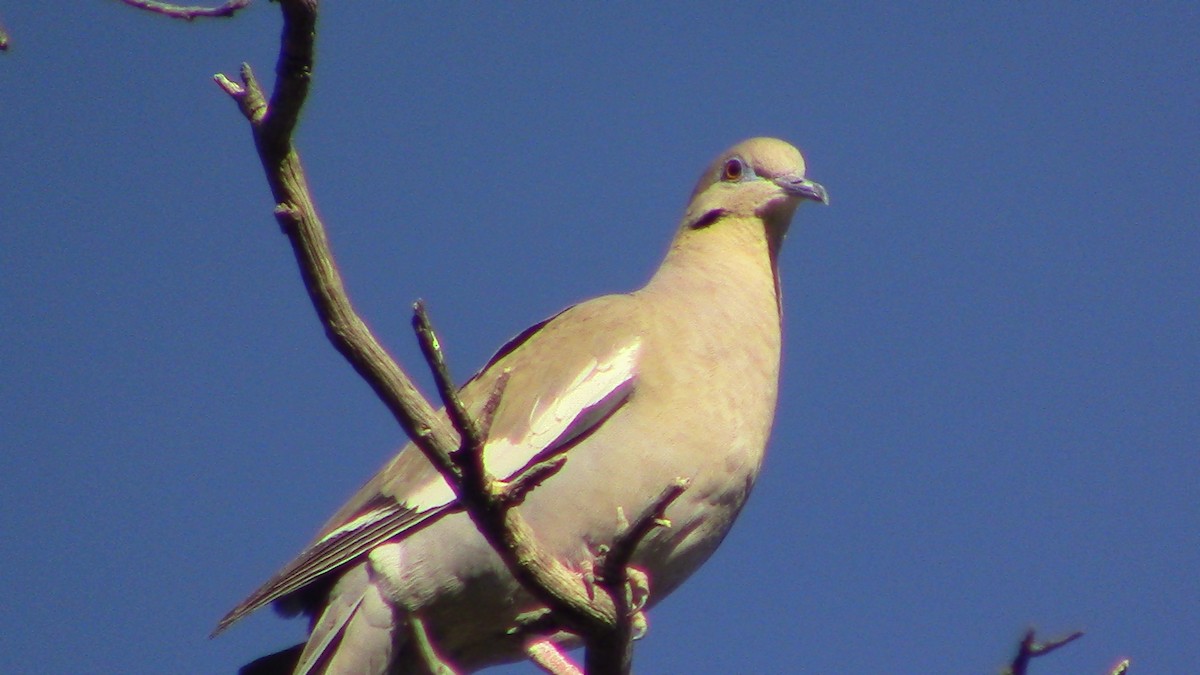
(595, 392)
(361, 521)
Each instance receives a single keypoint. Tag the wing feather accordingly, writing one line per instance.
(557, 407)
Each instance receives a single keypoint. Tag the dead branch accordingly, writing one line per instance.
(188, 13)
(628, 587)
(455, 450)
(546, 655)
(489, 503)
(1030, 649)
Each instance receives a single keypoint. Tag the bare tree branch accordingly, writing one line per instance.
(454, 448)
(1030, 649)
(188, 13)
(272, 123)
(489, 503)
(611, 651)
(547, 656)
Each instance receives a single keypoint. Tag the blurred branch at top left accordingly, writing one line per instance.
(174, 11)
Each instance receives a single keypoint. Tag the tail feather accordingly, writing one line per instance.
(356, 634)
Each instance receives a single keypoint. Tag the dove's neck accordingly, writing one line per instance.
(729, 266)
(715, 300)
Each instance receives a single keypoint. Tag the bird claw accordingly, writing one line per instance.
(640, 625)
(587, 574)
(637, 589)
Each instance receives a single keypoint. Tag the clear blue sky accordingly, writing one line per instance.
(990, 414)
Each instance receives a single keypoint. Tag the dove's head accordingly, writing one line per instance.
(759, 177)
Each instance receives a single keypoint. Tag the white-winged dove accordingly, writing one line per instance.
(675, 380)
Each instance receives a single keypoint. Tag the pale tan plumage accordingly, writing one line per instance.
(677, 379)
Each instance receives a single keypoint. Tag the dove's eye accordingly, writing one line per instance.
(734, 169)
